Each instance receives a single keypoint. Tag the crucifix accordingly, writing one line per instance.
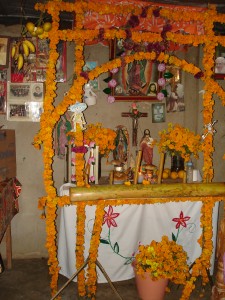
(134, 124)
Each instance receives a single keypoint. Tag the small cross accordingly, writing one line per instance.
(134, 124)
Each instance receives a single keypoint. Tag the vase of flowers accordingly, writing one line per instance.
(180, 143)
(102, 137)
(157, 263)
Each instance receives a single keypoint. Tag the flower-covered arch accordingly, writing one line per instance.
(142, 22)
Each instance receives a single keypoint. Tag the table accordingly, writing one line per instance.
(9, 192)
(134, 224)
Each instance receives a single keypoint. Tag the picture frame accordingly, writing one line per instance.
(90, 65)
(158, 112)
(4, 51)
(25, 111)
(3, 97)
(219, 69)
(25, 91)
(42, 57)
(175, 90)
(134, 80)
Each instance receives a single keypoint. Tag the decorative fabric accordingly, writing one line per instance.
(95, 21)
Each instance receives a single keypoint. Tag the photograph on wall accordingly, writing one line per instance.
(175, 90)
(136, 80)
(37, 92)
(25, 91)
(90, 65)
(158, 113)
(4, 51)
(24, 111)
(219, 72)
(3, 97)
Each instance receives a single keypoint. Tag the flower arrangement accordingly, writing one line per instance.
(177, 140)
(164, 259)
(103, 137)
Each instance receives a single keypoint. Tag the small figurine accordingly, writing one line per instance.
(77, 116)
(146, 146)
(89, 96)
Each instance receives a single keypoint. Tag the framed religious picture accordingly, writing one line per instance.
(175, 90)
(219, 70)
(4, 51)
(135, 81)
(158, 112)
(90, 65)
(42, 56)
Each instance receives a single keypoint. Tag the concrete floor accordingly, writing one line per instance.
(29, 280)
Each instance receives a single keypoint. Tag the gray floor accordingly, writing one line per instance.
(29, 280)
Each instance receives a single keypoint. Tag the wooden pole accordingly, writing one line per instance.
(161, 167)
(137, 166)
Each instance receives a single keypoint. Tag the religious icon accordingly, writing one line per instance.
(120, 153)
(146, 145)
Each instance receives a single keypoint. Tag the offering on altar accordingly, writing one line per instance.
(146, 145)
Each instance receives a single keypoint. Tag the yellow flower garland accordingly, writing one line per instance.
(52, 114)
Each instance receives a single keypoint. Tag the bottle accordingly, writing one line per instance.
(189, 172)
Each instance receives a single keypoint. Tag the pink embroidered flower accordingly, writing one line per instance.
(161, 67)
(91, 160)
(109, 217)
(161, 81)
(112, 83)
(111, 99)
(114, 71)
(160, 96)
(181, 221)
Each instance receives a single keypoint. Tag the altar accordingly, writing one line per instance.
(127, 226)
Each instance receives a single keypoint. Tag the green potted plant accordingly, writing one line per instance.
(157, 263)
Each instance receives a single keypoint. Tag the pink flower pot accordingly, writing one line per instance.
(149, 289)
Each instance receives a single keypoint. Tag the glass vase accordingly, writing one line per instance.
(177, 163)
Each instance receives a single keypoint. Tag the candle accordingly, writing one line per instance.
(140, 177)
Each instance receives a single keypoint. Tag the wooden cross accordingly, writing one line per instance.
(134, 124)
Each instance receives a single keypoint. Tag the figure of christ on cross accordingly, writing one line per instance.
(134, 124)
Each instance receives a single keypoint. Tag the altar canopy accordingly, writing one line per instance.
(94, 20)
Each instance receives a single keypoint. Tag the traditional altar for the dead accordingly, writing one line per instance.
(142, 23)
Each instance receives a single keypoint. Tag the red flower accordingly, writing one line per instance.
(181, 221)
(109, 217)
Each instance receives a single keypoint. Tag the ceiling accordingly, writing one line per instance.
(20, 11)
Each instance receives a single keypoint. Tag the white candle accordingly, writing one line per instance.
(140, 177)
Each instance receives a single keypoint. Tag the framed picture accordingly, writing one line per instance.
(175, 90)
(136, 80)
(42, 60)
(4, 51)
(219, 71)
(28, 111)
(158, 112)
(25, 91)
(90, 65)
(3, 95)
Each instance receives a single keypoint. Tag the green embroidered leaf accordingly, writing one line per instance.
(107, 90)
(116, 248)
(104, 241)
(107, 79)
(173, 237)
(128, 261)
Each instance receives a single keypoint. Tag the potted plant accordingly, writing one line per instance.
(157, 263)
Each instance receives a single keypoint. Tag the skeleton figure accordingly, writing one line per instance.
(210, 129)
(77, 116)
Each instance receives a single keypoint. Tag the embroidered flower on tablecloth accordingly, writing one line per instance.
(109, 217)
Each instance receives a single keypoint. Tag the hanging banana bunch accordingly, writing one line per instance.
(21, 50)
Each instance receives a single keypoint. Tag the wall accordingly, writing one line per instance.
(28, 231)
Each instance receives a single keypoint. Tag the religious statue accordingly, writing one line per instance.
(146, 146)
(120, 153)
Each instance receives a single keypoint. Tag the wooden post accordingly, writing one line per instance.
(137, 166)
(161, 167)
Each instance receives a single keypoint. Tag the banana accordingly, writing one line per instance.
(26, 49)
(20, 62)
(13, 51)
(30, 45)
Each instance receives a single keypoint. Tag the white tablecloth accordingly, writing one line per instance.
(134, 224)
